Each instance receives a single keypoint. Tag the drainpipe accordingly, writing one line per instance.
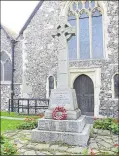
(12, 82)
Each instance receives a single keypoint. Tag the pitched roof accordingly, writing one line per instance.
(10, 34)
(30, 17)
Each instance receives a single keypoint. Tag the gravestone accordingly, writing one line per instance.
(73, 130)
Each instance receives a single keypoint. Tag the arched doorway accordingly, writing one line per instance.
(85, 94)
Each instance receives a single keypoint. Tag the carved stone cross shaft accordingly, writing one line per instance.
(64, 32)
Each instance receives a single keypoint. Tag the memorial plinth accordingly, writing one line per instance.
(64, 97)
(72, 132)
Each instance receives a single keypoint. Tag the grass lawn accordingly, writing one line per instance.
(14, 114)
(9, 124)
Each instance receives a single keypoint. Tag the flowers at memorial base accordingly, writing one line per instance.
(116, 145)
(92, 152)
(116, 121)
(6, 149)
(95, 118)
(29, 123)
(29, 119)
(116, 149)
(56, 111)
(40, 115)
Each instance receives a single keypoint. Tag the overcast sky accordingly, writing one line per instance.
(15, 13)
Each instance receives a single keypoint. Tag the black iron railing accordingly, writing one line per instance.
(28, 106)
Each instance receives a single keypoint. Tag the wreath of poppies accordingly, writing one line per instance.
(55, 115)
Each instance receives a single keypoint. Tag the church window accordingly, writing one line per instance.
(79, 5)
(72, 41)
(97, 35)
(84, 36)
(93, 4)
(116, 85)
(6, 67)
(87, 4)
(86, 17)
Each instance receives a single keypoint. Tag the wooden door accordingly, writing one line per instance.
(85, 94)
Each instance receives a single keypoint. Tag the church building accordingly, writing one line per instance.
(29, 61)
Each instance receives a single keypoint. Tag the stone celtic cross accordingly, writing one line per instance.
(64, 32)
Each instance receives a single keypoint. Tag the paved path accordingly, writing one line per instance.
(11, 118)
(100, 140)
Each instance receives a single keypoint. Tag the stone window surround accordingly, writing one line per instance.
(90, 28)
(8, 82)
(5, 82)
(95, 75)
(103, 7)
(113, 93)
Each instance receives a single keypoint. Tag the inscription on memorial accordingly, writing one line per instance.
(60, 98)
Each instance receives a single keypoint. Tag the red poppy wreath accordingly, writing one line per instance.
(59, 113)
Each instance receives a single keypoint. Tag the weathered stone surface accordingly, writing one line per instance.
(93, 145)
(62, 125)
(42, 146)
(31, 146)
(65, 97)
(104, 144)
(21, 151)
(102, 132)
(24, 141)
(30, 153)
(59, 153)
(19, 145)
(106, 139)
(40, 153)
(66, 137)
(62, 148)
(59, 148)
(76, 150)
(54, 147)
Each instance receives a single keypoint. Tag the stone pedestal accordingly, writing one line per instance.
(64, 97)
(72, 132)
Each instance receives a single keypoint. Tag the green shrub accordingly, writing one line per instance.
(114, 127)
(7, 148)
(2, 139)
(29, 123)
(98, 124)
(85, 151)
(107, 124)
(103, 123)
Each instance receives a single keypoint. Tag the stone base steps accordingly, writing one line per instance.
(70, 138)
(62, 125)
